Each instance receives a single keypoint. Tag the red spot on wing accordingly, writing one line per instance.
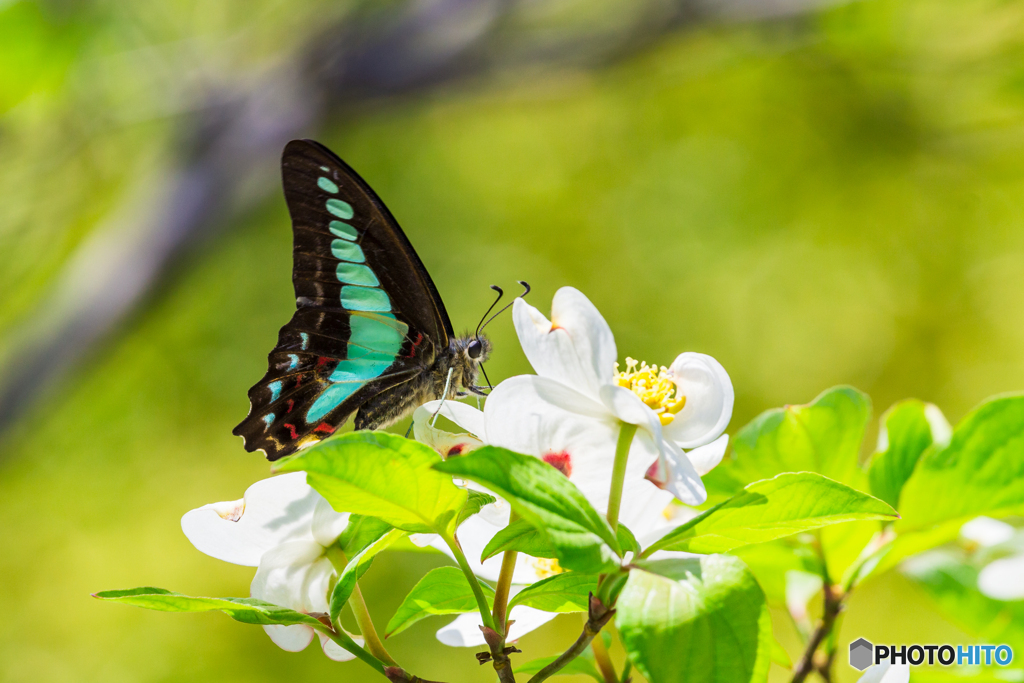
(415, 344)
(321, 361)
(560, 460)
(291, 404)
(291, 429)
(324, 428)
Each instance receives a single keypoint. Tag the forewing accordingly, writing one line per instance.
(368, 319)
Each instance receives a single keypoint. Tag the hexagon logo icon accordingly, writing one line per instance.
(861, 654)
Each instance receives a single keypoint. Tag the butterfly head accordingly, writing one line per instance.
(468, 354)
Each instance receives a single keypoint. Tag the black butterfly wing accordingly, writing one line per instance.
(369, 317)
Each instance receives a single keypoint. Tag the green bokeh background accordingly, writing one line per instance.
(832, 198)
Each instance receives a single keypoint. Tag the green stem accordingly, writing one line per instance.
(508, 566)
(373, 643)
(626, 432)
(478, 592)
(365, 623)
(603, 660)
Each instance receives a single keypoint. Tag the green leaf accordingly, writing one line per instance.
(581, 666)
(357, 566)
(770, 563)
(385, 476)
(980, 472)
(699, 620)
(360, 532)
(475, 500)
(908, 433)
(823, 436)
(546, 499)
(442, 591)
(565, 592)
(245, 610)
(770, 509)
(780, 656)
(520, 536)
(627, 541)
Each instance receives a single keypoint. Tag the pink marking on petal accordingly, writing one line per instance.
(652, 475)
(560, 460)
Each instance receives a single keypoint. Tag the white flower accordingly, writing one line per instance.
(283, 527)
(1001, 579)
(570, 415)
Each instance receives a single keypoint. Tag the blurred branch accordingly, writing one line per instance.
(238, 133)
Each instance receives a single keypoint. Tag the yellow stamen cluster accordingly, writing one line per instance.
(654, 386)
(546, 567)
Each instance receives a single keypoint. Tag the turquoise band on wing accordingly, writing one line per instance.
(365, 299)
(343, 230)
(347, 251)
(340, 208)
(375, 335)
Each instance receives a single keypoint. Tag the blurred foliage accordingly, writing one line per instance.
(835, 198)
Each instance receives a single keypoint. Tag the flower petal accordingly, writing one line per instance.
(294, 638)
(706, 458)
(327, 524)
(986, 531)
(465, 630)
(575, 347)
(1003, 579)
(335, 651)
(709, 398)
(544, 418)
(628, 408)
(681, 478)
(643, 507)
(465, 416)
(274, 511)
(941, 430)
(295, 575)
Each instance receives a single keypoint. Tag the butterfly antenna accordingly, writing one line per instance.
(526, 290)
(489, 385)
(480, 324)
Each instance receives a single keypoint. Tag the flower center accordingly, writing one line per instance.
(654, 386)
(545, 566)
(560, 460)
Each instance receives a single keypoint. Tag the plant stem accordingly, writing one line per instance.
(604, 661)
(598, 616)
(508, 566)
(474, 584)
(833, 606)
(373, 643)
(365, 623)
(626, 433)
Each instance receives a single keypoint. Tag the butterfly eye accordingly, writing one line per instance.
(474, 349)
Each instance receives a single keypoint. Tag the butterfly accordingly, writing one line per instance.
(370, 336)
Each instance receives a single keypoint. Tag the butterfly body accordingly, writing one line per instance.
(370, 337)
